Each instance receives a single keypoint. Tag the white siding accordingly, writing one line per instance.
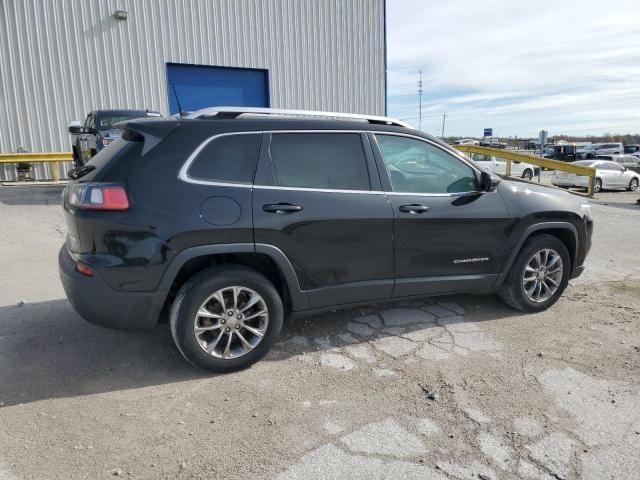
(60, 59)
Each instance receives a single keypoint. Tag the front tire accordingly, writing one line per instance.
(597, 185)
(527, 174)
(538, 276)
(226, 318)
(633, 185)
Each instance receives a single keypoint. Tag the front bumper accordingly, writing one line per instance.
(98, 303)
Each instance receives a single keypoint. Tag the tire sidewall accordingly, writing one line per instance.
(597, 185)
(531, 247)
(196, 291)
(633, 182)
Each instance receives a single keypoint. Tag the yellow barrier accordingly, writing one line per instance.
(52, 158)
(511, 156)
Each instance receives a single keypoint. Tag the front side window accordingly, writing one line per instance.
(334, 161)
(228, 158)
(416, 166)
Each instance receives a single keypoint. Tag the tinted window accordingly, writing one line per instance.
(230, 158)
(415, 166)
(319, 160)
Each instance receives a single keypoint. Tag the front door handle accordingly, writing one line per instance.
(281, 208)
(414, 209)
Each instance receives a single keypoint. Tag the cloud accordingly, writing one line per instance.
(569, 66)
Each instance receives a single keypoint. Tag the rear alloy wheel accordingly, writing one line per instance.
(538, 276)
(597, 185)
(226, 318)
(527, 174)
(633, 185)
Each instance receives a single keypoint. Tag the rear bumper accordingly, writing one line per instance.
(98, 303)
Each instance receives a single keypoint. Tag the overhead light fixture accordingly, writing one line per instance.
(120, 14)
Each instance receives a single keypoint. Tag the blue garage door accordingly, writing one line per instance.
(201, 86)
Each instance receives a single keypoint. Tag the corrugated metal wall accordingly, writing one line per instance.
(60, 59)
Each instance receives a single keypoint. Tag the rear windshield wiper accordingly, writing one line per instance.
(81, 171)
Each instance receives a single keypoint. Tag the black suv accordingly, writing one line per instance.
(223, 224)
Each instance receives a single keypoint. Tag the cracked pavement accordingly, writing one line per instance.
(456, 387)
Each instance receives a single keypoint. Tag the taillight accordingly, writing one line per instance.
(98, 196)
(84, 269)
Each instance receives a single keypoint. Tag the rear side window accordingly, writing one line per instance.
(228, 158)
(333, 161)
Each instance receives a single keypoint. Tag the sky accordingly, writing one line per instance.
(567, 66)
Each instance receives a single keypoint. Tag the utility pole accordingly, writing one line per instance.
(420, 102)
(444, 116)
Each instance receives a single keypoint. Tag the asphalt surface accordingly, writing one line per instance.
(454, 387)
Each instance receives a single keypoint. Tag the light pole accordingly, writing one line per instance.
(444, 116)
(420, 102)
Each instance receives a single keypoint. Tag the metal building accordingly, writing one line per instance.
(60, 59)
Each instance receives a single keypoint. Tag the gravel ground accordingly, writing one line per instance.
(456, 387)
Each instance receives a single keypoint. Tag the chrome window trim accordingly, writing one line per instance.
(182, 174)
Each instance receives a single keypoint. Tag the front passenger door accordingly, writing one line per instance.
(448, 236)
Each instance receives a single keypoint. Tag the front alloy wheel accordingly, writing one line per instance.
(597, 185)
(542, 275)
(633, 185)
(527, 175)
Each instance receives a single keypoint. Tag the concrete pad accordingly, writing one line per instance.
(527, 427)
(347, 338)
(373, 321)
(361, 329)
(529, 471)
(427, 427)
(328, 462)
(494, 448)
(424, 334)
(395, 346)
(432, 352)
(384, 438)
(405, 316)
(383, 372)
(476, 415)
(454, 307)
(437, 311)
(334, 360)
(465, 472)
(554, 452)
(410, 471)
(361, 352)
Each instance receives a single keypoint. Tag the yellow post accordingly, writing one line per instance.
(54, 169)
(508, 168)
(590, 187)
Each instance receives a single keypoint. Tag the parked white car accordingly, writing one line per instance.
(467, 141)
(499, 166)
(609, 175)
(591, 151)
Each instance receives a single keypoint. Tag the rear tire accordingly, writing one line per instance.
(225, 294)
(527, 174)
(516, 291)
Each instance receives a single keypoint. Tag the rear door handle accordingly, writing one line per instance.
(281, 208)
(414, 209)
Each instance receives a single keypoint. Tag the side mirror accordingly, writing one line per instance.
(488, 182)
(75, 127)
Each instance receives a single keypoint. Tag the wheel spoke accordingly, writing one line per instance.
(205, 313)
(220, 298)
(227, 349)
(552, 281)
(244, 341)
(236, 292)
(207, 328)
(252, 301)
(553, 261)
(254, 315)
(253, 330)
(529, 279)
(212, 346)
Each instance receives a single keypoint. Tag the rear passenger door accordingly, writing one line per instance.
(317, 198)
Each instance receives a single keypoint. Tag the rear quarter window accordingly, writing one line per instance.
(227, 158)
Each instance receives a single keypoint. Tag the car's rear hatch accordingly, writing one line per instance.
(110, 166)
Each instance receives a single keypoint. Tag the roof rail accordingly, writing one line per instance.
(234, 112)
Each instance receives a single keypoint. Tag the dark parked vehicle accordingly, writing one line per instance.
(98, 131)
(223, 224)
(628, 149)
(564, 153)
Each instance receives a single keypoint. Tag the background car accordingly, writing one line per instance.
(628, 161)
(592, 151)
(98, 131)
(609, 175)
(629, 149)
(467, 141)
(499, 166)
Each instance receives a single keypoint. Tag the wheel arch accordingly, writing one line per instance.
(566, 232)
(266, 259)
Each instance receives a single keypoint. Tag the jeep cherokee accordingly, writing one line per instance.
(226, 221)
